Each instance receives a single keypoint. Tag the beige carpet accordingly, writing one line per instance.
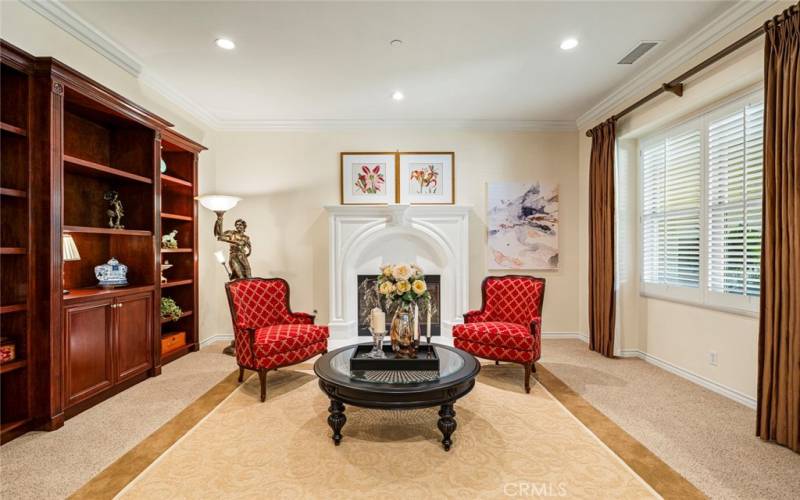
(45, 465)
(507, 443)
(707, 438)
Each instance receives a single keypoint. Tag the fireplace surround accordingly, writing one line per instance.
(364, 237)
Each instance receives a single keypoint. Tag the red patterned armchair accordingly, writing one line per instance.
(268, 335)
(509, 325)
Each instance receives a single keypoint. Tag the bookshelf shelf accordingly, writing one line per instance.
(86, 167)
(106, 230)
(176, 181)
(14, 193)
(7, 127)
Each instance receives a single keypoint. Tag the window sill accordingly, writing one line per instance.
(713, 307)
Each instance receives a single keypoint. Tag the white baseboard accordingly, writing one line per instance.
(565, 336)
(704, 382)
(227, 337)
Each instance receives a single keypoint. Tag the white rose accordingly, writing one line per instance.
(401, 272)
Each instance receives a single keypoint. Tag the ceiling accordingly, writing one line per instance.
(459, 61)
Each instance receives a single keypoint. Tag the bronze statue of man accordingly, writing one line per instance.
(239, 249)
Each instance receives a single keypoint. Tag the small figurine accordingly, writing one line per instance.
(166, 265)
(115, 213)
(169, 241)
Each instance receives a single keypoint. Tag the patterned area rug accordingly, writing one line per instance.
(508, 443)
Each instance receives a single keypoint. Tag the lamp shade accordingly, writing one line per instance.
(218, 202)
(220, 256)
(70, 250)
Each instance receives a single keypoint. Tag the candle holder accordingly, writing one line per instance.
(428, 341)
(377, 346)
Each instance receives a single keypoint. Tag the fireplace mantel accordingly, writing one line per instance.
(364, 236)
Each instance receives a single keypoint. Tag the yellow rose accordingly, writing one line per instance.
(401, 272)
(386, 288)
(387, 271)
(419, 287)
(403, 286)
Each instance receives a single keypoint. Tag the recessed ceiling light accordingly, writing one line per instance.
(226, 44)
(396, 42)
(398, 96)
(569, 44)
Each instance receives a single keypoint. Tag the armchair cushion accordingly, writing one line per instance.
(496, 333)
(283, 338)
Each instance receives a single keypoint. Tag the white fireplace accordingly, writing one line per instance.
(364, 237)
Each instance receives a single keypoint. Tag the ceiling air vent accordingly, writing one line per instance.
(637, 52)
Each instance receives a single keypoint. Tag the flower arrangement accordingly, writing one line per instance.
(403, 284)
(370, 181)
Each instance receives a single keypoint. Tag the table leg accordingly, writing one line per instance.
(336, 420)
(447, 424)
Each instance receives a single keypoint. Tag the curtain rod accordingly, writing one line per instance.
(675, 86)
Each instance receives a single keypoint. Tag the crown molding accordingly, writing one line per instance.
(729, 21)
(63, 17)
(312, 125)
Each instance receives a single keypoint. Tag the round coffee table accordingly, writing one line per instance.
(397, 390)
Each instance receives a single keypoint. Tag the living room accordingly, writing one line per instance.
(566, 215)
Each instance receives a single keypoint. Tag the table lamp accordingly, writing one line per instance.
(70, 254)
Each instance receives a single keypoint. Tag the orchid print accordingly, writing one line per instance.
(370, 180)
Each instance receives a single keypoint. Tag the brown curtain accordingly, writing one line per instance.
(779, 329)
(601, 239)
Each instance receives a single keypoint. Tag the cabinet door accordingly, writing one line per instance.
(134, 335)
(88, 354)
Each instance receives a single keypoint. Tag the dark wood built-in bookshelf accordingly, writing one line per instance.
(16, 413)
(179, 212)
(66, 140)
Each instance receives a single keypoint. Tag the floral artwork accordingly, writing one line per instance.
(424, 178)
(523, 226)
(370, 179)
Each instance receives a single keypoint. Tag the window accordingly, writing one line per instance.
(701, 208)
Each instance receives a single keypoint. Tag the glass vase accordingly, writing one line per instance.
(402, 333)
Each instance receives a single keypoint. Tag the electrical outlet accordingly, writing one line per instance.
(712, 358)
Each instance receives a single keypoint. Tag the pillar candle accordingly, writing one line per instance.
(378, 321)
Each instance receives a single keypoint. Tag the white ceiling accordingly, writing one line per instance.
(459, 61)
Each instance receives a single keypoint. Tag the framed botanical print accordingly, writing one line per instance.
(426, 178)
(368, 178)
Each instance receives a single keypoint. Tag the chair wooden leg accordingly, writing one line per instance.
(528, 377)
(533, 366)
(262, 377)
(241, 374)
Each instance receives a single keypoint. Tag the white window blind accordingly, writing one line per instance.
(735, 145)
(672, 190)
(701, 194)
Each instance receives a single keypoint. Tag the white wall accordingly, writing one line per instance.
(680, 335)
(286, 178)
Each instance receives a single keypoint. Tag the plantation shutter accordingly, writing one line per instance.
(682, 203)
(735, 147)
(653, 258)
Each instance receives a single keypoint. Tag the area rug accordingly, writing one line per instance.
(508, 443)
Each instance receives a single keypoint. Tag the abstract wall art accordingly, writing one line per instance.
(522, 221)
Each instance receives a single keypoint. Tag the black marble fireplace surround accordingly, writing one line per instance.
(434, 286)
